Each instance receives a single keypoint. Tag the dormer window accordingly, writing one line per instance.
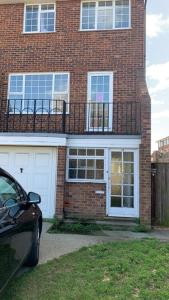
(39, 18)
(105, 15)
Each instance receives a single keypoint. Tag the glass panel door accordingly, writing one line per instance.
(99, 102)
(122, 185)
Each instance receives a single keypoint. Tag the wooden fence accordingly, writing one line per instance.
(160, 194)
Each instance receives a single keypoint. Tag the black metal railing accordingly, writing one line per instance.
(57, 116)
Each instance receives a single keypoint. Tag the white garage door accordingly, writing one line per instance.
(35, 169)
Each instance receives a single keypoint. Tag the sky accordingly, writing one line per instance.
(158, 66)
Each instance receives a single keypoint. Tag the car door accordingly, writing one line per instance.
(7, 255)
(15, 227)
(8, 259)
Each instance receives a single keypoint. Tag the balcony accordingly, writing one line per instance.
(46, 116)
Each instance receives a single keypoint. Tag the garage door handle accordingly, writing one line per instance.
(21, 169)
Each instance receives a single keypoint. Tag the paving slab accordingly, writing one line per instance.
(55, 245)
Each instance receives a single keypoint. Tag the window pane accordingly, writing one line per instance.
(99, 174)
(91, 152)
(105, 15)
(88, 15)
(99, 97)
(128, 179)
(99, 152)
(81, 163)
(47, 21)
(31, 18)
(116, 179)
(128, 202)
(9, 196)
(88, 167)
(100, 89)
(61, 83)
(99, 164)
(116, 190)
(116, 168)
(90, 163)
(72, 163)
(128, 190)
(38, 88)
(47, 7)
(116, 156)
(16, 84)
(82, 152)
(122, 14)
(72, 174)
(128, 156)
(90, 174)
(128, 168)
(116, 202)
(81, 174)
(72, 151)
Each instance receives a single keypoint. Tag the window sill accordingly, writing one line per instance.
(100, 30)
(37, 32)
(85, 181)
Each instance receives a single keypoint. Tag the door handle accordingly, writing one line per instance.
(21, 170)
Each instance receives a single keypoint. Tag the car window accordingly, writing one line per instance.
(9, 195)
(23, 195)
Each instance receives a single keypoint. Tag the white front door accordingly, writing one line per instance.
(123, 183)
(35, 169)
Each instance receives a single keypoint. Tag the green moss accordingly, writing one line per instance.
(141, 228)
(78, 227)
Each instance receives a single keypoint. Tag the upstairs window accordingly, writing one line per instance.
(38, 93)
(39, 18)
(102, 15)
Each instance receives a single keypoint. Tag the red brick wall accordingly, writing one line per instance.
(82, 201)
(145, 150)
(68, 49)
(60, 188)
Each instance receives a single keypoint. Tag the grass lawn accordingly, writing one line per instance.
(120, 270)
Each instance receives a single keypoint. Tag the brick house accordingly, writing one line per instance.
(75, 110)
(162, 154)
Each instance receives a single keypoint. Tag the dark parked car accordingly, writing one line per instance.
(20, 227)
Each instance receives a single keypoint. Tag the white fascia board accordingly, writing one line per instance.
(42, 141)
(105, 143)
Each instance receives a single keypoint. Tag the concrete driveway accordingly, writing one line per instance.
(55, 245)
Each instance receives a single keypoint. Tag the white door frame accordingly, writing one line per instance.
(110, 108)
(123, 212)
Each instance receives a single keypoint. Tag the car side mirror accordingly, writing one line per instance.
(34, 198)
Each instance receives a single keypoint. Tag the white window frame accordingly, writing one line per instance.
(96, 16)
(39, 11)
(23, 89)
(104, 73)
(85, 157)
